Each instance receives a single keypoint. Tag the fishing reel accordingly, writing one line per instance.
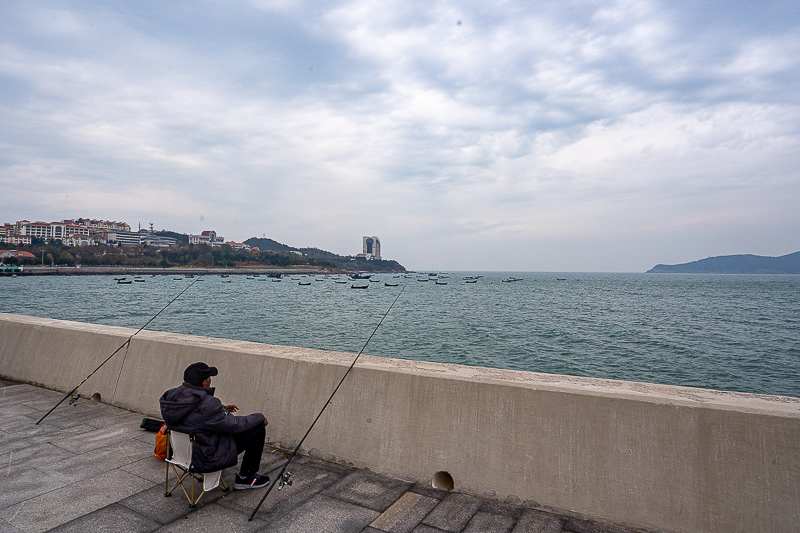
(286, 479)
(74, 399)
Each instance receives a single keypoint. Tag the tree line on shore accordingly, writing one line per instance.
(196, 255)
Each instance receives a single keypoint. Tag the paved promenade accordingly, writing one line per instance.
(89, 467)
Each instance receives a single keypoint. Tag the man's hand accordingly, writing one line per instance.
(266, 421)
(232, 408)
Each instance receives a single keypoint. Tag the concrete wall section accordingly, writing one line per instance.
(645, 456)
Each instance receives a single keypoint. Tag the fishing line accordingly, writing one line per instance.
(123, 345)
(284, 477)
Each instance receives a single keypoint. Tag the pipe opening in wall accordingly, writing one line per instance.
(96, 397)
(442, 480)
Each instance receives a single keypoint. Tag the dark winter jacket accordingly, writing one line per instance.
(194, 410)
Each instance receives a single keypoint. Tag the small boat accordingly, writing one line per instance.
(139, 280)
(471, 281)
(509, 280)
(276, 279)
(118, 279)
(374, 280)
(177, 279)
(360, 276)
(224, 275)
(304, 283)
(391, 284)
(422, 279)
(341, 281)
(441, 282)
(561, 279)
(124, 282)
(359, 286)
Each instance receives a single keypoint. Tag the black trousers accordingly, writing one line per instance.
(251, 442)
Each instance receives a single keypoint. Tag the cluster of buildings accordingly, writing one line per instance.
(87, 232)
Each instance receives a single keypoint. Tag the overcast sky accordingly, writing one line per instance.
(548, 135)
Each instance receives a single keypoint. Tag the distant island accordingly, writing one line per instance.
(735, 264)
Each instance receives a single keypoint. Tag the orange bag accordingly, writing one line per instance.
(161, 443)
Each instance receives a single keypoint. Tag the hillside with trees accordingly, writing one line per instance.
(736, 264)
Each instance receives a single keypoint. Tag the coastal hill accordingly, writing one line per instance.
(735, 264)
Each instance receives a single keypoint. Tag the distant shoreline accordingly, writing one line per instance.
(157, 271)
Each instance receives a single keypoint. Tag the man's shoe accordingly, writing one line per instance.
(256, 481)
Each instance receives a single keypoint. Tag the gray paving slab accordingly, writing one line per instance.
(96, 438)
(18, 487)
(49, 510)
(110, 519)
(5, 527)
(322, 513)
(453, 513)
(368, 489)
(214, 517)
(537, 522)
(149, 467)
(89, 464)
(308, 479)
(23, 458)
(490, 523)
(404, 514)
(152, 503)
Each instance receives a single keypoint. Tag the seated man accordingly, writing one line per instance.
(219, 436)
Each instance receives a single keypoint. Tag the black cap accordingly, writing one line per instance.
(197, 373)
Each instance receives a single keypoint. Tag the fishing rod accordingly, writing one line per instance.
(123, 345)
(284, 477)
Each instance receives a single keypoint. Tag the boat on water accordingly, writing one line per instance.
(276, 279)
(360, 276)
(509, 280)
(119, 279)
(422, 279)
(441, 282)
(139, 280)
(391, 284)
(124, 282)
(561, 279)
(304, 283)
(374, 280)
(471, 281)
(340, 281)
(359, 286)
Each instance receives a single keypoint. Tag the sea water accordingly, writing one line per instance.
(727, 332)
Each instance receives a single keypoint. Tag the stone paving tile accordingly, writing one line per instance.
(537, 522)
(214, 518)
(94, 439)
(22, 486)
(5, 527)
(59, 506)
(405, 513)
(574, 525)
(368, 489)
(89, 464)
(150, 467)
(308, 480)
(152, 503)
(111, 519)
(423, 528)
(490, 523)
(336, 515)
(26, 458)
(453, 513)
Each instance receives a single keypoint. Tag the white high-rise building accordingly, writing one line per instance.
(372, 248)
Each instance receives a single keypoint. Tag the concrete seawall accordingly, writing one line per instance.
(638, 455)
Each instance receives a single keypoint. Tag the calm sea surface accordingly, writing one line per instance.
(737, 333)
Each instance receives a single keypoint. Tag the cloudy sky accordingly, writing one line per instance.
(548, 135)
